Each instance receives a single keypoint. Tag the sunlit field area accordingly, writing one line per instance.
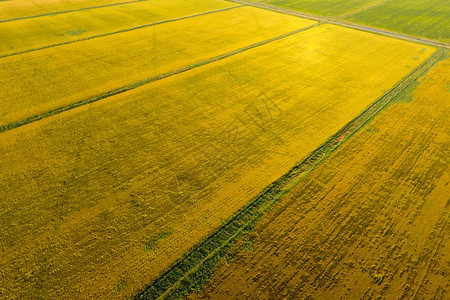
(167, 149)
(378, 227)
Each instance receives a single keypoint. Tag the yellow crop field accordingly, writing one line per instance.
(27, 8)
(372, 222)
(97, 201)
(39, 81)
(22, 35)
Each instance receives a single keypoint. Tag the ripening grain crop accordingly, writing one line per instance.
(126, 185)
(422, 18)
(39, 32)
(371, 222)
(29, 8)
(36, 82)
(323, 7)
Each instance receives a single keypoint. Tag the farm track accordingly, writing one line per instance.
(337, 21)
(191, 271)
(140, 83)
(121, 31)
(71, 10)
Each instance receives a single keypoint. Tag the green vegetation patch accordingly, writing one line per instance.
(426, 18)
(76, 32)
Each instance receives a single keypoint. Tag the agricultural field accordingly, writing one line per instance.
(322, 7)
(43, 80)
(19, 9)
(134, 133)
(133, 181)
(372, 222)
(34, 33)
(419, 18)
(427, 18)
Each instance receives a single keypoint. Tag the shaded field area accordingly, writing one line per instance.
(39, 81)
(371, 222)
(427, 18)
(28, 34)
(132, 182)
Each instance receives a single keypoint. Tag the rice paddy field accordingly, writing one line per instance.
(151, 149)
(371, 222)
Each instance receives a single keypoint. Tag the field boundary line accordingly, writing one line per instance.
(340, 22)
(194, 268)
(357, 10)
(140, 83)
(121, 31)
(70, 10)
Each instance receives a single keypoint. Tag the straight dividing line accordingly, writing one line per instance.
(281, 186)
(140, 83)
(121, 31)
(336, 21)
(69, 11)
